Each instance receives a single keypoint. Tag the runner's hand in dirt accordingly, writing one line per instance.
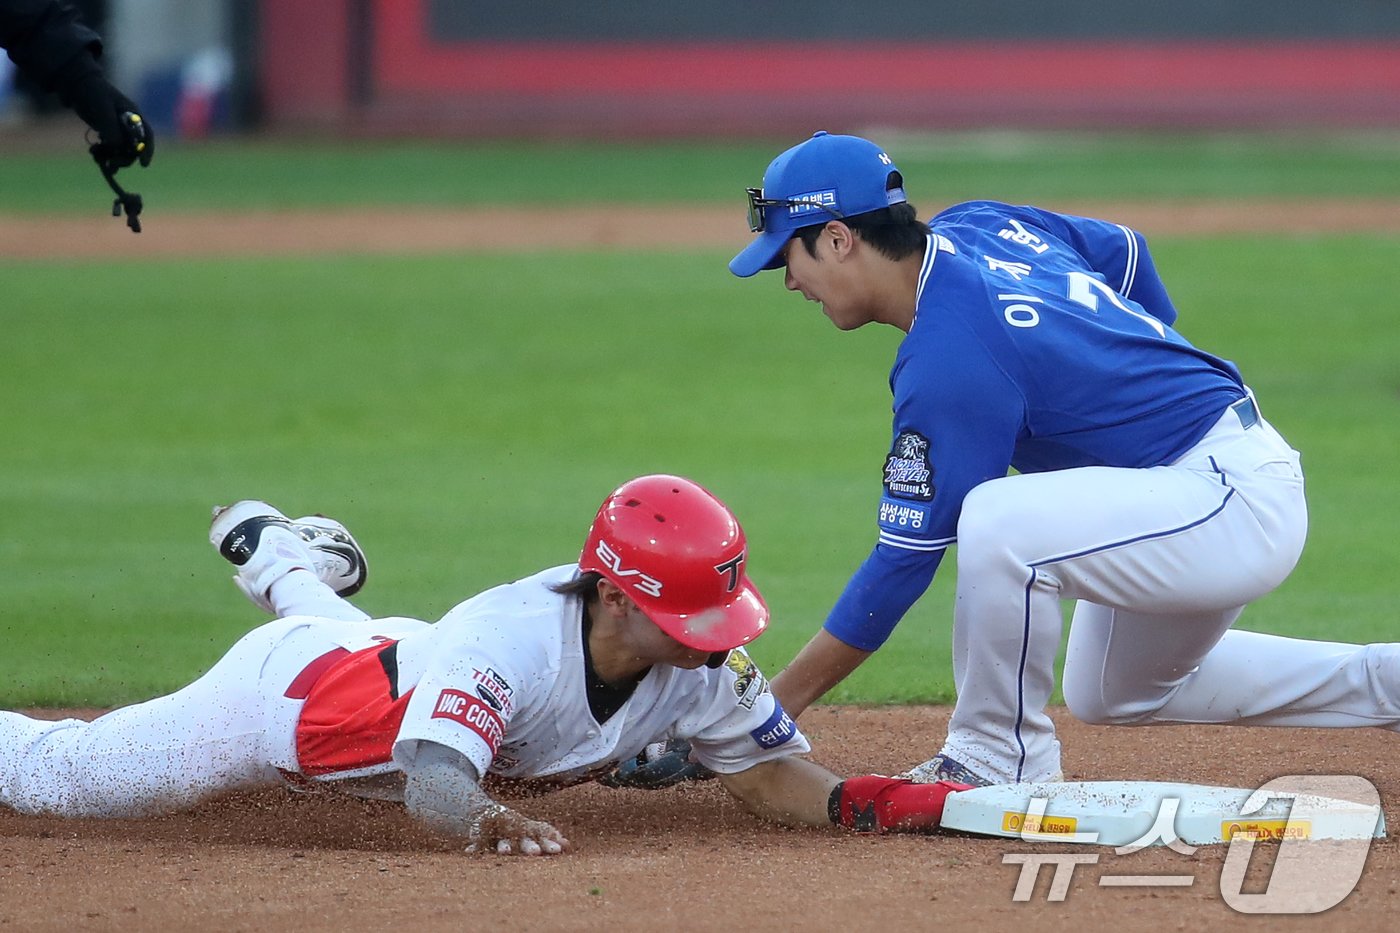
(442, 790)
(502, 830)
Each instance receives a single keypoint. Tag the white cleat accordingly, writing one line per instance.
(265, 545)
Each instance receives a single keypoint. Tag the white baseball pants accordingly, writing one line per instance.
(1162, 562)
(221, 733)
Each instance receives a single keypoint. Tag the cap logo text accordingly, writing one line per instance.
(610, 558)
(811, 201)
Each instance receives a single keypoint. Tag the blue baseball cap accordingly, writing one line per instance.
(825, 178)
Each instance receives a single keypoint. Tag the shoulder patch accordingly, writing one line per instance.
(908, 470)
(749, 682)
(494, 689)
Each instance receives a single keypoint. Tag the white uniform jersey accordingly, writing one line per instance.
(501, 679)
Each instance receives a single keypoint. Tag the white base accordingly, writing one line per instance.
(1142, 813)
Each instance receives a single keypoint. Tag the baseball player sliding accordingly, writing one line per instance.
(1149, 488)
(552, 679)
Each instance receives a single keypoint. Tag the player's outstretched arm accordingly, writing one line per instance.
(792, 791)
(821, 665)
(443, 791)
(795, 791)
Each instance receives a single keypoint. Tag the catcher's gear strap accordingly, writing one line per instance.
(876, 804)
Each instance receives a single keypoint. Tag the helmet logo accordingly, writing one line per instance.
(610, 558)
(731, 567)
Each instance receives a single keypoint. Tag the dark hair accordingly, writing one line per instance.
(894, 232)
(584, 586)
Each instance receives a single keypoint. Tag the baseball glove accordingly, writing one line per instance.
(660, 765)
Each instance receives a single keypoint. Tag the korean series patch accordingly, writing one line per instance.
(908, 470)
(905, 508)
(749, 682)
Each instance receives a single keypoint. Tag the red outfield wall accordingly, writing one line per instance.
(372, 65)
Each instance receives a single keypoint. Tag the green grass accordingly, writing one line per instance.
(464, 415)
(940, 168)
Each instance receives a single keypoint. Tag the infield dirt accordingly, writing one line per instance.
(625, 227)
(684, 859)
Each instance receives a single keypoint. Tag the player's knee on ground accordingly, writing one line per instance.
(1088, 701)
(1375, 671)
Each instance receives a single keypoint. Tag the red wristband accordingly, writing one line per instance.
(875, 804)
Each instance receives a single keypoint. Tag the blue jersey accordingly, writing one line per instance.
(1040, 341)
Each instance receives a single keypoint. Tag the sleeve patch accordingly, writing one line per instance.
(749, 682)
(776, 729)
(467, 710)
(495, 690)
(908, 470)
(904, 518)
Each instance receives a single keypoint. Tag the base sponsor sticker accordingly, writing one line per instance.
(1267, 829)
(1034, 824)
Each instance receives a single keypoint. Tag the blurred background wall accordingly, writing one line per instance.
(729, 67)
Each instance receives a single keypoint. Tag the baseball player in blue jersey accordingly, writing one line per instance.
(1147, 486)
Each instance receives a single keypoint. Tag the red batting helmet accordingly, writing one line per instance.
(679, 553)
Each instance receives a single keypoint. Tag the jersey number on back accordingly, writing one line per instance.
(1086, 289)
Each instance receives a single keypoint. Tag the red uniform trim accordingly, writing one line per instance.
(469, 711)
(351, 718)
(300, 688)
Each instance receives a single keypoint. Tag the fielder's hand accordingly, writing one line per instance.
(660, 765)
(501, 830)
